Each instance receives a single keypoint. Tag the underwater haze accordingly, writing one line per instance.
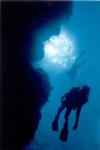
(84, 27)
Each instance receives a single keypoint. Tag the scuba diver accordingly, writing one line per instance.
(72, 100)
(72, 72)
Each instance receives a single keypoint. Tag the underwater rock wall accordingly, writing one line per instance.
(24, 89)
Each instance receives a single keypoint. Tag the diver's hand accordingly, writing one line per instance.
(75, 127)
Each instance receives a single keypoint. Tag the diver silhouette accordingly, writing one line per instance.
(75, 67)
(72, 100)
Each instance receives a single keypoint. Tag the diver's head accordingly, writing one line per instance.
(85, 89)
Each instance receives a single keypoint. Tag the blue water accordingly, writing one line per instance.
(84, 26)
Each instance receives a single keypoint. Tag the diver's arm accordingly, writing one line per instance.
(63, 97)
(77, 118)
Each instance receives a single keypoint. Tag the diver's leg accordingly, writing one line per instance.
(55, 121)
(68, 111)
(64, 132)
(59, 111)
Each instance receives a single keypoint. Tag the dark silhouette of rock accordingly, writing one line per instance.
(24, 89)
